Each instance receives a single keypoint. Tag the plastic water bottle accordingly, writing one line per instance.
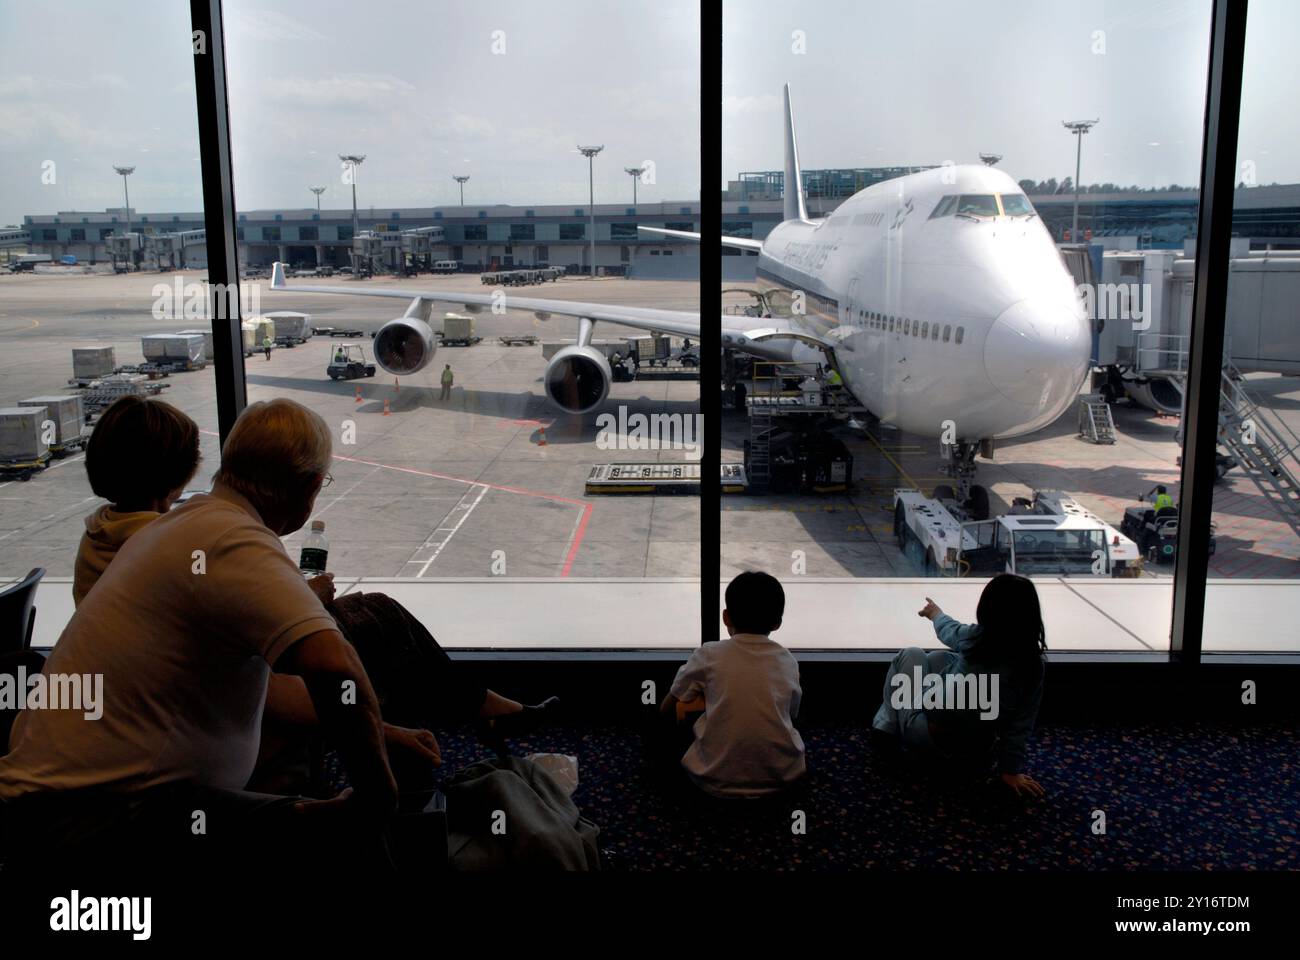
(315, 551)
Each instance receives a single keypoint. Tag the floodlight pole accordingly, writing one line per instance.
(1078, 128)
(590, 154)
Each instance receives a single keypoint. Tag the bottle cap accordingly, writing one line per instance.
(317, 526)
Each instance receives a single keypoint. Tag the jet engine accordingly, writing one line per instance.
(1155, 394)
(404, 346)
(577, 379)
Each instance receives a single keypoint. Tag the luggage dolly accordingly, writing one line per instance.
(23, 469)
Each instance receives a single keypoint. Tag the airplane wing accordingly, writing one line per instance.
(679, 322)
(740, 243)
(773, 338)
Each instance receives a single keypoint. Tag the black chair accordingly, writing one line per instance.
(18, 613)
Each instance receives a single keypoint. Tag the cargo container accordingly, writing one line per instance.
(458, 331)
(207, 340)
(91, 362)
(173, 349)
(262, 328)
(290, 326)
(67, 414)
(248, 337)
(20, 434)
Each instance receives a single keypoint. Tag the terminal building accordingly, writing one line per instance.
(502, 236)
(1269, 216)
(479, 238)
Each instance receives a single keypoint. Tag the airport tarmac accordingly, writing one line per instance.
(489, 483)
(851, 535)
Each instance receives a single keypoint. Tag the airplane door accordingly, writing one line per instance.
(850, 321)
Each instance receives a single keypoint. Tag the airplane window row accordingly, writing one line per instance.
(983, 205)
(922, 329)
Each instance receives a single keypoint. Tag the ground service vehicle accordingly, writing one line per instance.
(348, 362)
(1050, 534)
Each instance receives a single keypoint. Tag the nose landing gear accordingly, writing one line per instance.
(961, 467)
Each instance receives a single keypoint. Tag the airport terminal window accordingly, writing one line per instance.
(473, 476)
(86, 301)
(1253, 577)
(1029, 454)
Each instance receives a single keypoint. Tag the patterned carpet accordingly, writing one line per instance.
(1186, 797)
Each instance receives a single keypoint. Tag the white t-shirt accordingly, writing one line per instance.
(745, 744)
(185, 657)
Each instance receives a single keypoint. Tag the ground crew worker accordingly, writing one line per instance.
(267, 344)
(833, 379)
(1162, 500)
(447, 380)
(338, 355)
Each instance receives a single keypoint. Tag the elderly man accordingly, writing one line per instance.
(185, 627)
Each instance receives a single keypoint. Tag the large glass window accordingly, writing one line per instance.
(1253, 591)
(466, 434)
(1025, 365)
(116, 304)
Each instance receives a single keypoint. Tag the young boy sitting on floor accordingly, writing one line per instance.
(745, 743)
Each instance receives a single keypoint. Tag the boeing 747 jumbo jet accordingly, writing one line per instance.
(939, 297)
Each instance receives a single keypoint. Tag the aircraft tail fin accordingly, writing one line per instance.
(794, 205)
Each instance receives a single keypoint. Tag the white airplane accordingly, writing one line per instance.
(939, 297)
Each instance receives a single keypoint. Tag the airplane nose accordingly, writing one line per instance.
(1037, 352)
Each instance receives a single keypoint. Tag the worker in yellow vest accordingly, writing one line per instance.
(1162, 500)
(447, 380)
(267, 343)
(833, 379)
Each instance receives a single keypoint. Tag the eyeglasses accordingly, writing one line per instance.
(329, 478)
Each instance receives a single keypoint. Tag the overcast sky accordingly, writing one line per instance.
(926, 81)
(417, 87)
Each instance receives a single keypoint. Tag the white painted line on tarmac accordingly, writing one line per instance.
(440, 537)
(61, 514)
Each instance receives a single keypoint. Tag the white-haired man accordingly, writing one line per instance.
(185, 627)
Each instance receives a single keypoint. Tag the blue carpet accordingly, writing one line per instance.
(1186, 797)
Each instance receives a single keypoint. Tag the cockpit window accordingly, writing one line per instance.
(977, 205)
(1016, 205)
(945, 207)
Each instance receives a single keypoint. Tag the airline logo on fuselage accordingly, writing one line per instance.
(806, 256)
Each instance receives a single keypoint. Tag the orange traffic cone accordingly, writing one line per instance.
(358, 394)
(541, 436)
(387, 412)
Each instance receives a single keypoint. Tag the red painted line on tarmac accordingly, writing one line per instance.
(577, 539)
(578, 534)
